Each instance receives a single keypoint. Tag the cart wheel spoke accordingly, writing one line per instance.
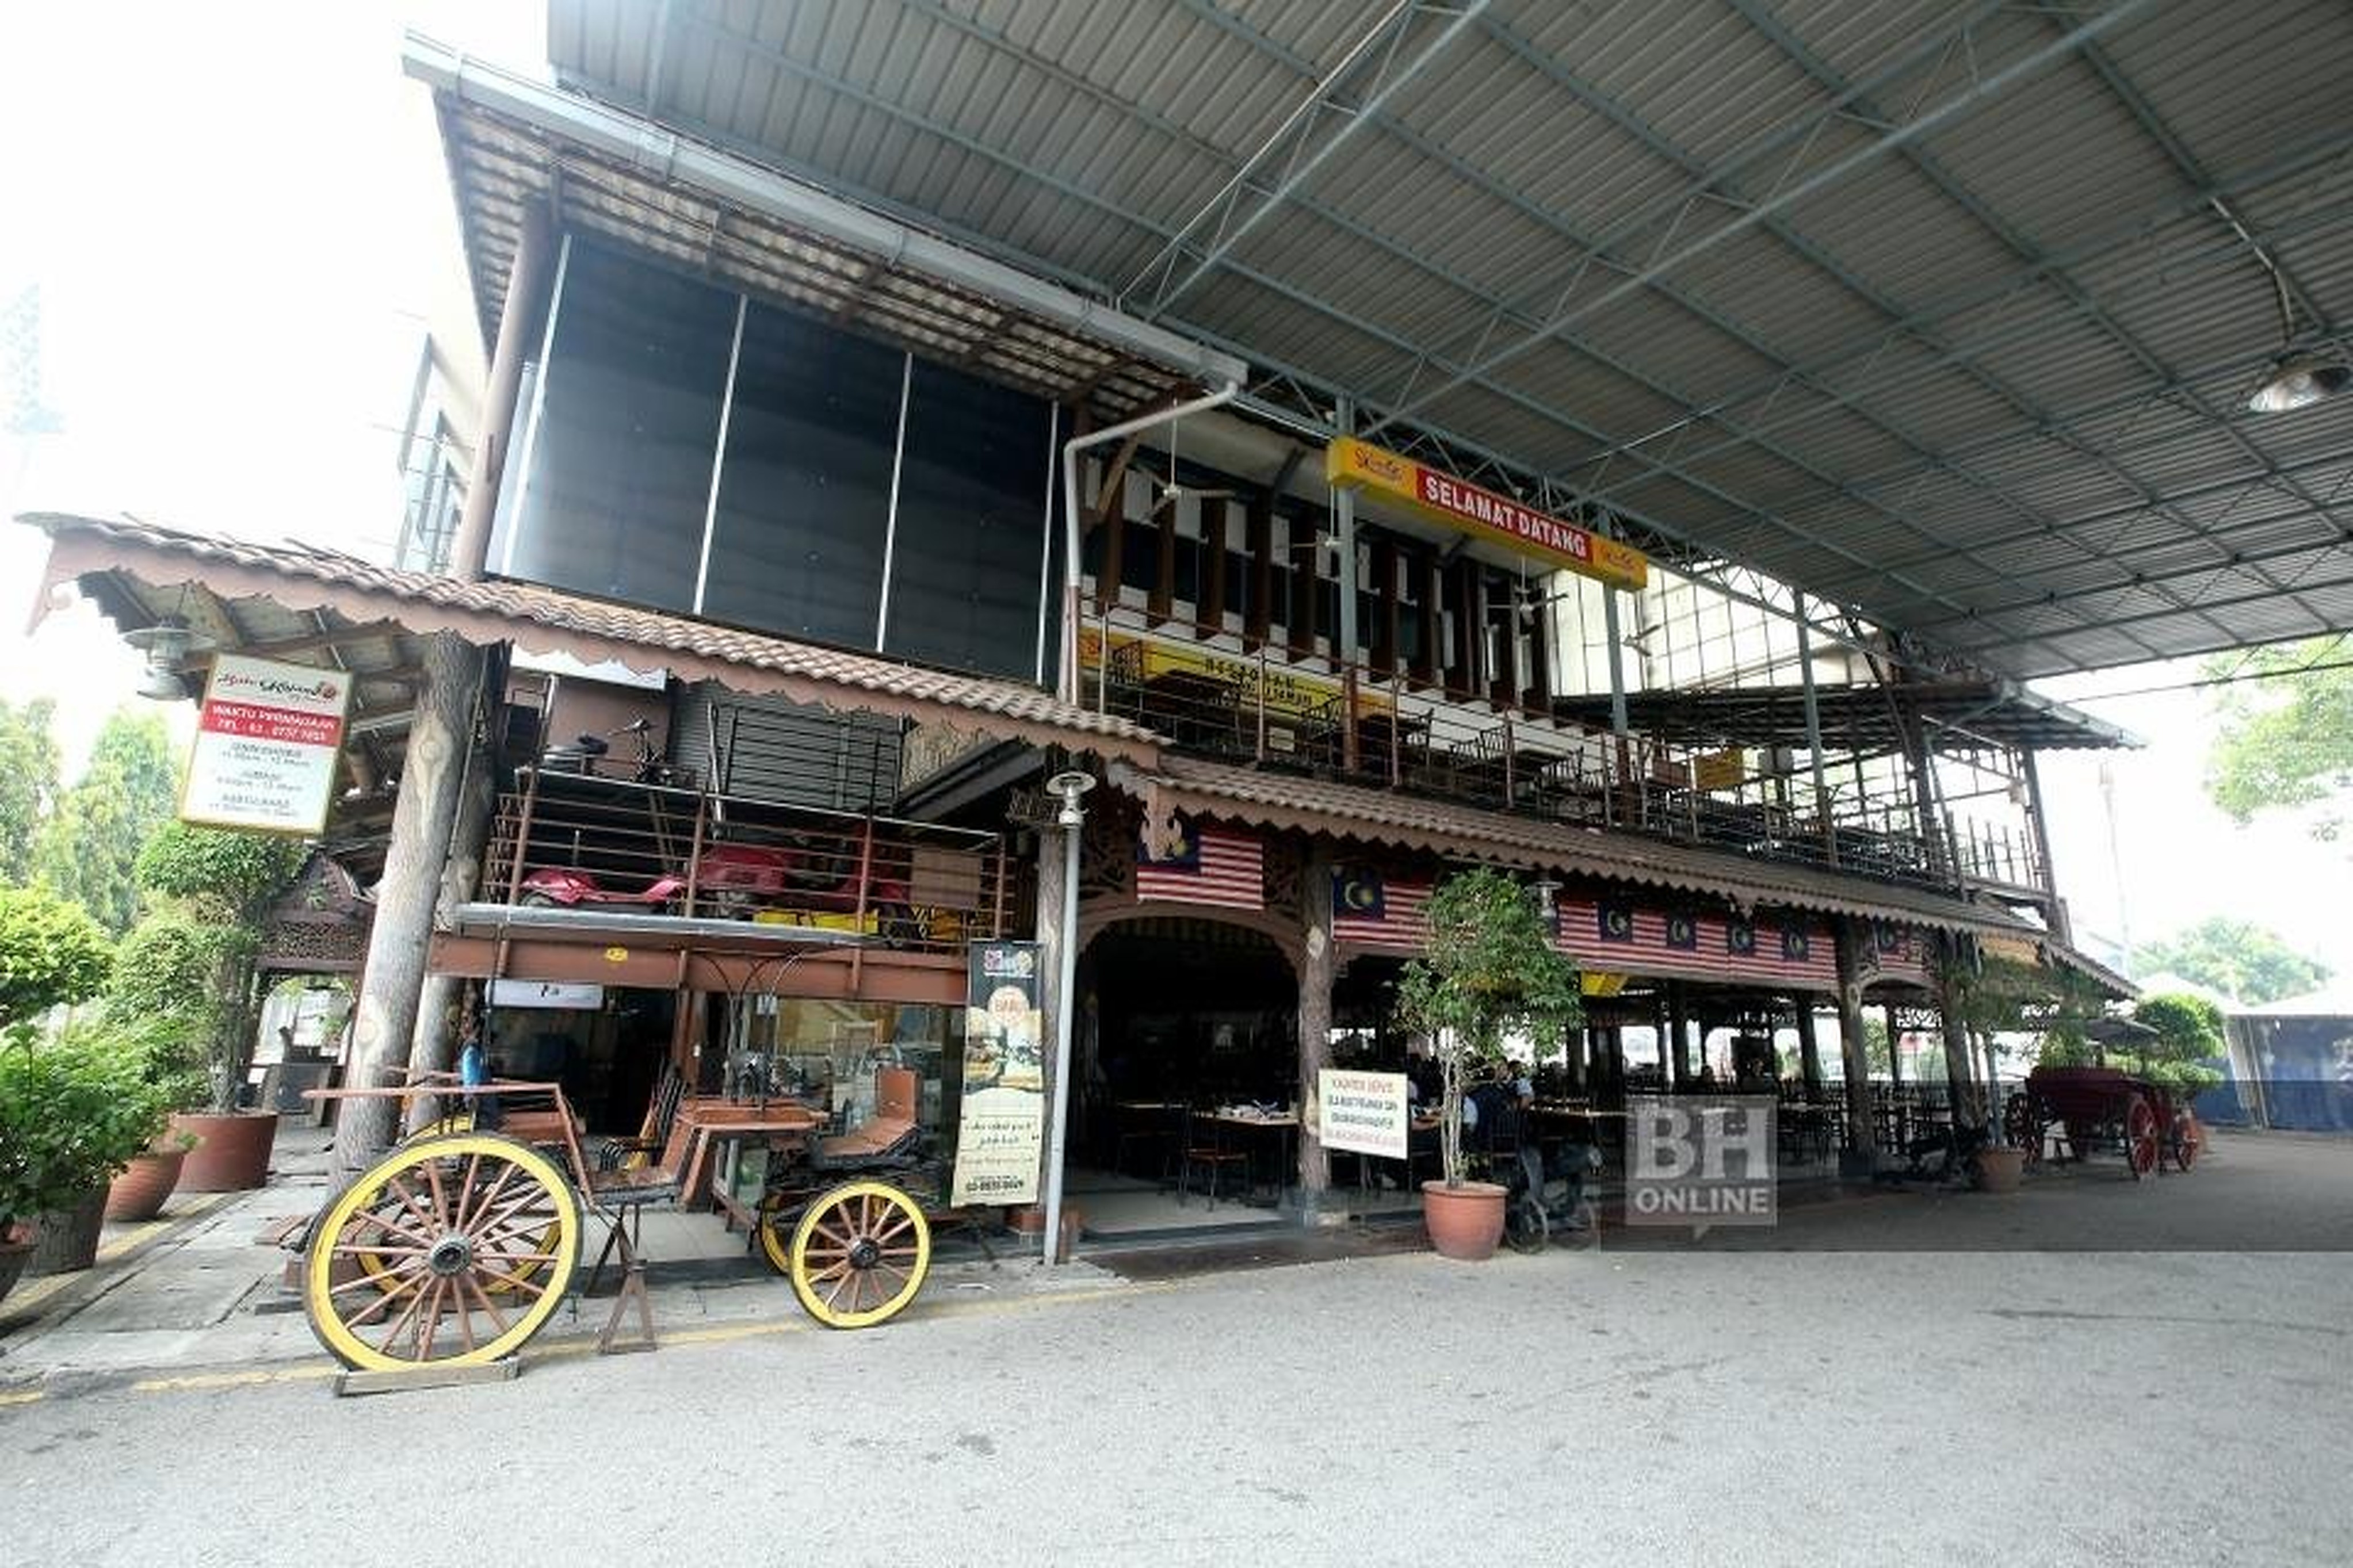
(857, 1255)
(438, 1226)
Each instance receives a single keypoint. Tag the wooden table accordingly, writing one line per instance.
(1284, 1126)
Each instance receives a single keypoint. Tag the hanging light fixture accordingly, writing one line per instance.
(2296, 378)
(166, 643)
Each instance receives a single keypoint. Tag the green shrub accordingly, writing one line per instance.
(73, 1110)
(50, 954)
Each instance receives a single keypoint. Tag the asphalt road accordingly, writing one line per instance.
(1759, 1407)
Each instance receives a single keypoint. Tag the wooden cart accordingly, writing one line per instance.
(2090, 1109)
(458, 1245)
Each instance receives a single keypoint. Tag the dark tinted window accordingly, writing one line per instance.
(972, 499)
(805, 491)
(620, 469)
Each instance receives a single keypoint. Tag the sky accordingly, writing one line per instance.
(239, 221)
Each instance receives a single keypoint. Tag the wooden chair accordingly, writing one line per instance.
(1208, 1152)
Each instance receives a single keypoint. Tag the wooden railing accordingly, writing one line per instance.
(1224, 699)
(585, 839)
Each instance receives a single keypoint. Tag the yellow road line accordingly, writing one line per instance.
(22, 1395)
(716, 1335)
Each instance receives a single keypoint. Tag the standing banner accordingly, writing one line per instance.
(267, 743)
(1361, 1112)
(1002, 1128)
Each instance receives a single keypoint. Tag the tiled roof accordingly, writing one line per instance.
(1384, 817)
(547, 620)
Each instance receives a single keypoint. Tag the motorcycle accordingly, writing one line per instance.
(739, 881)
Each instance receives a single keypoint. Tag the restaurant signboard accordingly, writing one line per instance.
(1439, 497)
(1361, 1112)
(266, 742)
(1001, 1128)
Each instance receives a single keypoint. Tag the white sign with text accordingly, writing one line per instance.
(266, 746)
(1362, 1112)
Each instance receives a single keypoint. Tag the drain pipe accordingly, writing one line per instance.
(1069, 685)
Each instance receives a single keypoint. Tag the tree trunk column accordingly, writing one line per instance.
(1318, 959)
(1959, 1076)
(1862, 1131)
(1809, 1055)
(461, 875)
(385, 1014)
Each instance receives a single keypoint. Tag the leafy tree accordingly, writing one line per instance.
(89, 846)
(2283, 743)
(2237, 958)
(1490, 971)
(220, 880)
(2189, 1035)
(50, 954)
(73, 1110)
(28, 783)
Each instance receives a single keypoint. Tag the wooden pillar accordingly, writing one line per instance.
(1809, 1055)
(1258, 545)
(385, 1013)
(1895, 1055)
(1210, 613)
(1318, 960)
(1677, 1051)
(461, 875)
(1861, 1127)
(1968, 1109)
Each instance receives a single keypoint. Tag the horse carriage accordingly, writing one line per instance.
(461, 1244)
(2091, 1110)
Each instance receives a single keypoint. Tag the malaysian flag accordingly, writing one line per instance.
(1209, 866)
(1896, 952)
(1618, 937)
(1369, 912)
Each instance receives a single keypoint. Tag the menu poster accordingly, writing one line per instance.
(1002, 1128)
(1361, 1112)
(267, 743)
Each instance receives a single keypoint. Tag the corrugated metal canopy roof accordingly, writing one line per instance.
(1944, 310)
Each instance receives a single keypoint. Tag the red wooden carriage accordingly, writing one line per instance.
(2070, 1113)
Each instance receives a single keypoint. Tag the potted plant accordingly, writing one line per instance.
(172, 1068)
(192, 958)
(74, 1109)
(52, 954)
(1489, 971)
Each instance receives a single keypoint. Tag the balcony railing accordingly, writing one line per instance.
(1343, 722)
(595, 840)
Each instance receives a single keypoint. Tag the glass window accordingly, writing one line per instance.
(972, 500)
(620, 465)
(805, 492)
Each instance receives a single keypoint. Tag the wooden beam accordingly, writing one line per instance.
(1259, 545)
(1212, 610)
(1384, 638)
(1432, 591)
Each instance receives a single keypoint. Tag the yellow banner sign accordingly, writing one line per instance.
(1137, 660)
(1441, 498)
(1722, 770)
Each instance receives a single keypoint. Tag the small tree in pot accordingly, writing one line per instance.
(194, 955)
(1490, 971)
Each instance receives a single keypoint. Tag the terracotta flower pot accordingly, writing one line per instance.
(1465, 1222)
(65, 1240)
(140, 1191)
(1999, 1168)
(232, 1152)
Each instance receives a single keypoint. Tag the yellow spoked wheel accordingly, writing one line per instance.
(858, 1255)
(451, 1250)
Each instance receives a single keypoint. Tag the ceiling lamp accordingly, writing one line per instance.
(2299, 380)
(166, 643)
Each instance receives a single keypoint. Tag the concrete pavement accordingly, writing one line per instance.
(1822, 1398)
